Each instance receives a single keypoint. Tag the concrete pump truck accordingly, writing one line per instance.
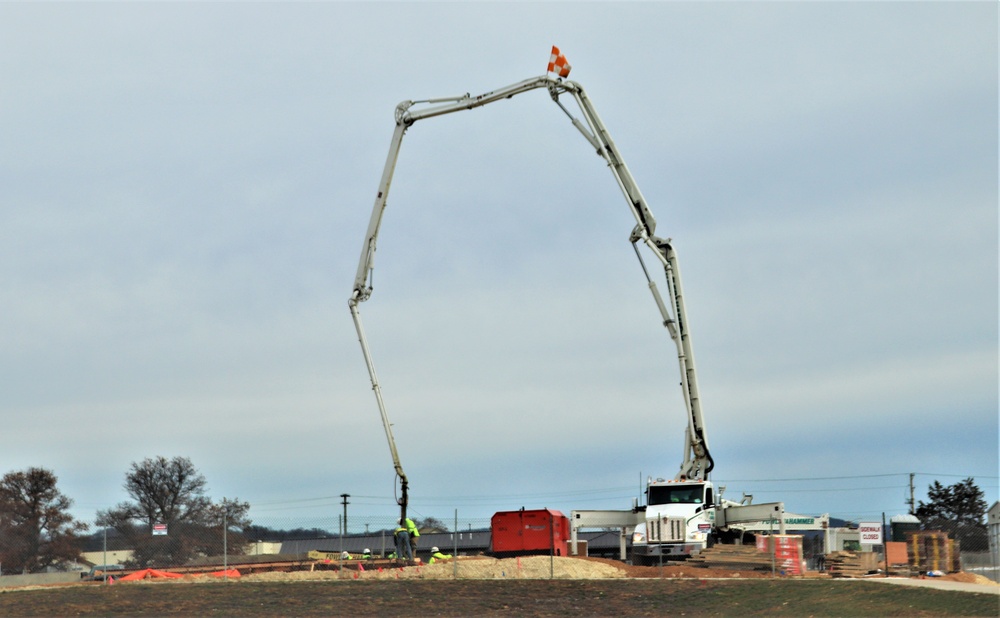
(684, 514)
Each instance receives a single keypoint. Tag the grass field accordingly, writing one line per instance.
(593, 597)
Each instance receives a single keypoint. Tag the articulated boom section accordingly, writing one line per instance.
(697, 461)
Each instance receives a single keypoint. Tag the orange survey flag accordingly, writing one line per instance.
(558, 63)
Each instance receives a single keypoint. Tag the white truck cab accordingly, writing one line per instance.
(679, 520)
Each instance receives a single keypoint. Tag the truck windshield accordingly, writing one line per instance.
(676, 494)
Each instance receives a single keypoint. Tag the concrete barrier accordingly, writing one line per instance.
(38, 579)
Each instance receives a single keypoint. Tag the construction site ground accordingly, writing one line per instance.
(527, 586)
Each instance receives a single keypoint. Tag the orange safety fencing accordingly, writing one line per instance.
(154, 574)
(148, 574)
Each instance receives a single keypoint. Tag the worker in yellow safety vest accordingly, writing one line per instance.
(406, 538)
(412, 529)
(437, 555)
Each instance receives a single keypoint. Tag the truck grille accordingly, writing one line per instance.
(665, 530)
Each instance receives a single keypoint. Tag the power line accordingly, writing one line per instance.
(605, 493)
(814, 478)
(826, 489)
(856, 476)
(958, 476)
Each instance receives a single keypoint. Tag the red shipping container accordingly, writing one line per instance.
(522, 532)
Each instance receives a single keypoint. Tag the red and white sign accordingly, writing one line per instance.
(871, 533)
(159, 529)
(787, 551)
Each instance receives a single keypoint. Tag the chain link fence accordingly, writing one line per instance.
(364, 546)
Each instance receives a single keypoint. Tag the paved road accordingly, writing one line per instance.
(933, 582)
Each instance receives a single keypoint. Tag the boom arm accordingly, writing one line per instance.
(697, 462)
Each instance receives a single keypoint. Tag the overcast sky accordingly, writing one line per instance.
(185, 188)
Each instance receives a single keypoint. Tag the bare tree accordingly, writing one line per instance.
(165, 491)
(431, 524)
(172, 492)
(231, 512)
(35, 525)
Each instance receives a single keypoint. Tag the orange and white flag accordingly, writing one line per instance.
(558, 63)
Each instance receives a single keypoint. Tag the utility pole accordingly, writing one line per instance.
(913, 506)
(345, 497)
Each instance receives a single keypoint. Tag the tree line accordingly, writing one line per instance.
(37, 531)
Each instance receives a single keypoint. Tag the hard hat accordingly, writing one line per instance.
(368, 551)
(434, 550)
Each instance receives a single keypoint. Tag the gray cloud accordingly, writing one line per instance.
(185, 189)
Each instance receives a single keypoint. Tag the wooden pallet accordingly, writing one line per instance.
(851, 564)
(732, 557)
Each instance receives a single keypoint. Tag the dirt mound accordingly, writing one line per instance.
(678, 571)
(526, 567)
(969, 578)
